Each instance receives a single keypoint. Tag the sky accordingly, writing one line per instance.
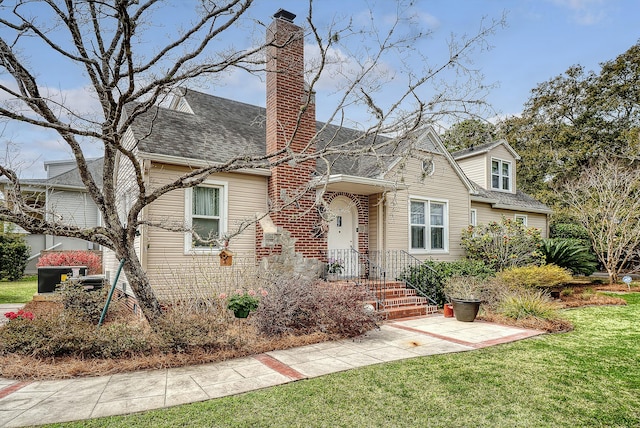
(541, 40)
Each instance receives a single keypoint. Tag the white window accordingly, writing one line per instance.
(205, 214)
(500, 175)
(521, 218)
(473, 217)
(429, 226)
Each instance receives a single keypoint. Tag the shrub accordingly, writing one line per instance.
(571, 254)
(569, 231)
(117, 340)
(503, 244)
(343, 312)
(297, 307)
(87, 305)
(567, 292)
(547, 276)
(90, 259)
(54, 332)
(14, 253)
(181, 330)
(430, 276)
(290, 307)
(528, 304)
(464, 288)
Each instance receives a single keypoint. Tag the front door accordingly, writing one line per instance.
(342, 235)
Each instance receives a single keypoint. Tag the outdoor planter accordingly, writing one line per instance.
(448, 310)
(465, 310)
(241, 313)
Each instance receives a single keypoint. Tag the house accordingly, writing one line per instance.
(63, 196)
(367, 211)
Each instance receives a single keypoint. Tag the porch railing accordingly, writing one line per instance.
(352, 265)
(402, 266)
(378, 267)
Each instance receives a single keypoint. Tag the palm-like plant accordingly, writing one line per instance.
(571, 254)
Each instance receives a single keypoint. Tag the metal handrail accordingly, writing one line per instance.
(421, 264)
(351, 265)
(378, 267)
(374, 276)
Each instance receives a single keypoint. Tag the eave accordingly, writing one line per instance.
(198, 163)
(356, 185)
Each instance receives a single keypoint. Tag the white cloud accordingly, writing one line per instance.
(584, 12)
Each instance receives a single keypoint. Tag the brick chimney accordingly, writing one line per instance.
(290, 125)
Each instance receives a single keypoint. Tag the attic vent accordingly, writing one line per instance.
(428, 166)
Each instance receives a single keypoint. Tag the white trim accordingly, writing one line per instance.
(524, 217)
(473, 217)
(500, 176)
(428, 201)
(472, 152)
(224, 214)
(199, 163)
(520, 208)
(376, 184)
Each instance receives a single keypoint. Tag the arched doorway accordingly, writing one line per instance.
(342, 236)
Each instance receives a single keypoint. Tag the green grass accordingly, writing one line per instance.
(18, 291)
(588, 377)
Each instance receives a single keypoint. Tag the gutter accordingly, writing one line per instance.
(198, 163)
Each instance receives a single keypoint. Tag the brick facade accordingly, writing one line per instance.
(361, 202)
(290, 126)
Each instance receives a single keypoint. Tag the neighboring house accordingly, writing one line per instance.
(415, 206)
(62, 196)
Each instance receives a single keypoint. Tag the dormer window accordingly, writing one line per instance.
(500, 175)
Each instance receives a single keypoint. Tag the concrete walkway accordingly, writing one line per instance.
(41, 402)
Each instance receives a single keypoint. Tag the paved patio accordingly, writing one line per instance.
(41, 402)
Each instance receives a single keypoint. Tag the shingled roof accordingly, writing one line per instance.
(69, 179)
(483, 148)
(72, 178)
(516, 201)
(219, 129)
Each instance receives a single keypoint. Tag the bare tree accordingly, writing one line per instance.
(605, 199)
(130, 72)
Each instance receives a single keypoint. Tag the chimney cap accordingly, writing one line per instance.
(284, 14)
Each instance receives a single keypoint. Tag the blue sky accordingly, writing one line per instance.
(541, 40)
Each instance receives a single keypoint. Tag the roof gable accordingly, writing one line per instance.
(481, 149)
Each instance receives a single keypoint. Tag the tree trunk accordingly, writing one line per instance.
(139, 283)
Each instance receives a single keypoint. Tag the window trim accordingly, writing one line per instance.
(473, 217)
(224, 203)
(524, 217)
(501, 162)
(427, 239)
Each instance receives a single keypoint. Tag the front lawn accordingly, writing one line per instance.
(18, 291)
(587, 377)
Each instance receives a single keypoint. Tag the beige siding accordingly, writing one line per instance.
(445, 185)
(374, 218)
(487, 214)
(166, 255)
(475, 168)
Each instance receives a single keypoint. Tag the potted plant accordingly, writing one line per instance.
(334, 268)
(464, 292)
(243, 302)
